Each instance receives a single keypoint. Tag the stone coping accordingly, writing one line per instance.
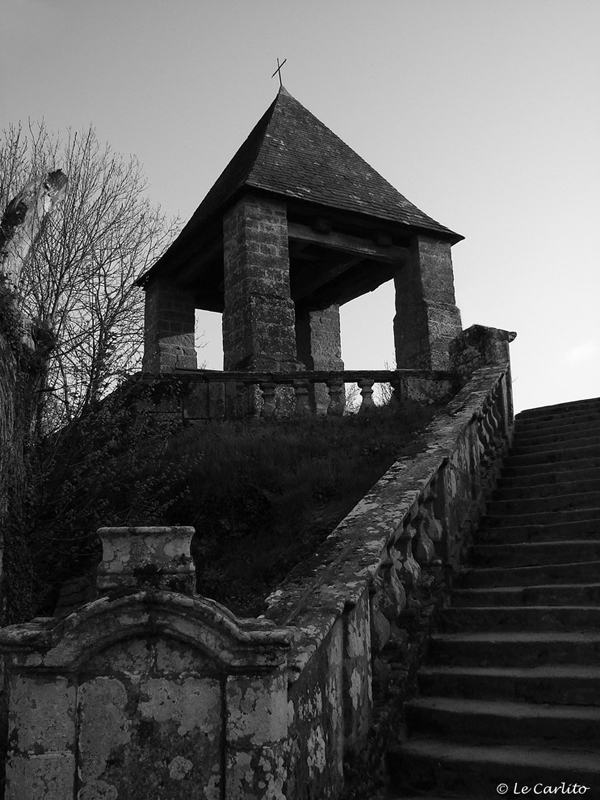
(50, 644)
(315, 376)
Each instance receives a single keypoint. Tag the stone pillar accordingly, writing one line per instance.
(258, 318)
(169, 328)
(427, 318)
(256, 713)
(157, 557)
(319, 348)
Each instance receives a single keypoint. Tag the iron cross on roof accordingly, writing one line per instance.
(278, 70)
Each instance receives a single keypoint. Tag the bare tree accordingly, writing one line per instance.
(78, 281)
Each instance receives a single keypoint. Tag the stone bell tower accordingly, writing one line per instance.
(296, 225)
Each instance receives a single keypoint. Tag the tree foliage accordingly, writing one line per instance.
(78, 281)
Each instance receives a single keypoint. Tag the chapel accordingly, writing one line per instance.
(296, 225)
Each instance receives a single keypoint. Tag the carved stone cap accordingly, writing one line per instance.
(154, 557)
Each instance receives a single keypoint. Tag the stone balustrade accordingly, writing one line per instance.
(213, 395)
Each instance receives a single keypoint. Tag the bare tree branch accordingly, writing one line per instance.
(79, 278)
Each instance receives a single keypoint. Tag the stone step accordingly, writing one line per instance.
(541, 517)
(559, 685)
(441, 765)
(559, 430)
(510, 692)
(560, 410)
(552, 457)
(520, 618)
(519, 492)
(555, 476)
(580, 441)
(524, 554)
(552, 594)
(516, 649)
(540, 469)
(537, 505)
(575, 572)
(498, 720)
(586, 529)
(544, 422)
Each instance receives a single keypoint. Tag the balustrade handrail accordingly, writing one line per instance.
(314, 376)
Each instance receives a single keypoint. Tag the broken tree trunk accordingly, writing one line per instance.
(20, 370)
(23, 220)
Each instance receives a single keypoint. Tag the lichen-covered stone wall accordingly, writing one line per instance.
(146, 692)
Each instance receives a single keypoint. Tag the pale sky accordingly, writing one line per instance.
(484, 114)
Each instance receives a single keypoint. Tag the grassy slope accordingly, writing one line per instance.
(261, 495)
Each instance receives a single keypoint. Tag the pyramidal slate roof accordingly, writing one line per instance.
(292, 153)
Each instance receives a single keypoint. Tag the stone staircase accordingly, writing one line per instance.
(510, 693)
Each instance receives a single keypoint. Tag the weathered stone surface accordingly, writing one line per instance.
(316, 720)
(104, 726)
(256, 734)
(391, 593)
(256, 709)
(42, 717)
(158, 557)
(42, 777)
(138, 688)
(319, 347)
(480, 346)
(427, 319)
(169, 328)
(423, 549)
(258, 318)
(380, 628)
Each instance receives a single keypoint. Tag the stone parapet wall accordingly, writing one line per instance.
(352, 598)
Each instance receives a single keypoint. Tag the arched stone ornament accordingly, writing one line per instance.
(145, 693)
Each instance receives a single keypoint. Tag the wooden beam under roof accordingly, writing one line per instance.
(355, 245)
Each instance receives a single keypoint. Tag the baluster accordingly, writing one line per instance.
(409, 571)
(336, 402)
(302, 404)
(366, 389)
(268, 395)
